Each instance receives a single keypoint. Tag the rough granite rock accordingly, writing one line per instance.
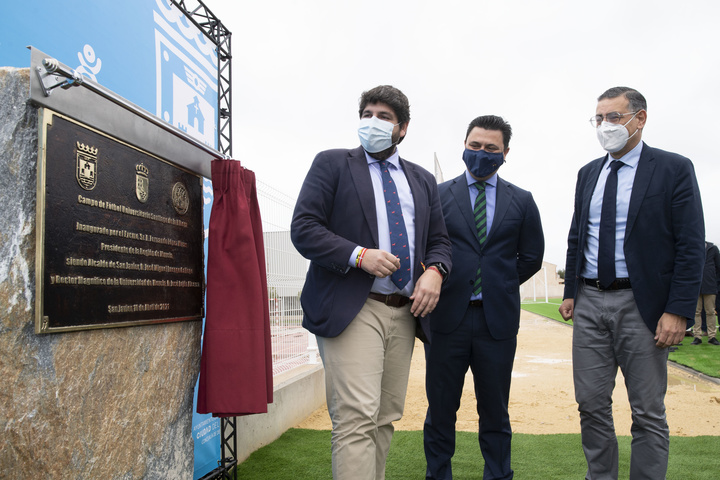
(111, 403)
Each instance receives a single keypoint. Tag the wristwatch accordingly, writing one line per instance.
(441, 268)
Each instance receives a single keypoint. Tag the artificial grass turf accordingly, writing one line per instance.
(305, 454)
(301, 454)
(703, 358)
(548, 310)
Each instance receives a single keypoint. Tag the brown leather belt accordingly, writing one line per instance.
(618, 284)
(476, 303)
(393, 300)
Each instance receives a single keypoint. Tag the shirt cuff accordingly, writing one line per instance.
(353, 257)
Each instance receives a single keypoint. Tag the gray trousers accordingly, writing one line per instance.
(609, 332)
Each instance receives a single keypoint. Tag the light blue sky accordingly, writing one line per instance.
(299, 68)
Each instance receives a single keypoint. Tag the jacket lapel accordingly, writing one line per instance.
(589, 188)
(645, 169)
(360, 172)
(587, 191)
(419, 201)
(461, 193)
(503, 198)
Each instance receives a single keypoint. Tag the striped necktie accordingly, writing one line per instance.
(480, 213)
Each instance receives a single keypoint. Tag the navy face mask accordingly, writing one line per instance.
(481, 163)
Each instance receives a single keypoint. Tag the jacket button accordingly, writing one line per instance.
(471, 282)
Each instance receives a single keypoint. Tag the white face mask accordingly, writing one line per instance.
(613, 136)
(375, 134)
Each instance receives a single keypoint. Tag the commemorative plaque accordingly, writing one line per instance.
(120, 233)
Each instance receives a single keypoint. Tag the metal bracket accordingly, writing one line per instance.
(106, 111)
(54, 71)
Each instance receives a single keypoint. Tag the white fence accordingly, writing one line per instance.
(543, 285)
(292, 345)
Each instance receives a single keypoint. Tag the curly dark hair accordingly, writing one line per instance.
(390, 96)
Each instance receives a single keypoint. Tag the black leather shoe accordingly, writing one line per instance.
(696, 341)
(672, 349)
(713, 341)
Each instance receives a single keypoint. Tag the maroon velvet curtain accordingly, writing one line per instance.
(236, 363)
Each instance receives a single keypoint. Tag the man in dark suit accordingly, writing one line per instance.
(372, 226)
(497, 244)
(633, 270)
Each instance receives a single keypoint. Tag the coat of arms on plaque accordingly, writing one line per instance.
(142, 182)
(86, 166)
(180, 198)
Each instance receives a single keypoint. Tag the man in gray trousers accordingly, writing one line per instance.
(634, 265)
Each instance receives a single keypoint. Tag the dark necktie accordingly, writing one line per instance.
(606, 237)
(480, 213)
(398, 234)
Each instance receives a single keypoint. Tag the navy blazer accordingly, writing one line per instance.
(335, 212)
(511, 254)
(664, 238)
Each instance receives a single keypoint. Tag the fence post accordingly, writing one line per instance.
(312, 349)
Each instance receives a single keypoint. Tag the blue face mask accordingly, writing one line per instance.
(481, 163)
(375, 134)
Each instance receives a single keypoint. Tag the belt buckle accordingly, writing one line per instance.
(597, 285)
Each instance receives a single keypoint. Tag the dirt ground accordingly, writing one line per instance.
(542, 399)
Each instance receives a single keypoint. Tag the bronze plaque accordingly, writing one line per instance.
(119, 233)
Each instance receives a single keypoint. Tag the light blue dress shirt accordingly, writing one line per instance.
(490, 197)
(385, 285)
(626, 177)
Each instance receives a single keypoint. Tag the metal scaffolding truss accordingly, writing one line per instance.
(212, 27)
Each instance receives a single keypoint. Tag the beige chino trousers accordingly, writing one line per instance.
(366, 376)
(708, 301)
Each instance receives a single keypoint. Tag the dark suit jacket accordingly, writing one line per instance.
(711, 270)
(664, 237)
(335, 212)
(512, 253)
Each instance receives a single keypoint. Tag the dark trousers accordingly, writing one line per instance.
(491, 361)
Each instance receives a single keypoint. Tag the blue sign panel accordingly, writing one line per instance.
(146, 51)
(187, 77)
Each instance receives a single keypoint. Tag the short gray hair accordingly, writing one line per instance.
(635, 99)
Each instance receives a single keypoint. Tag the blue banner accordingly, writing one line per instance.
(148, 52)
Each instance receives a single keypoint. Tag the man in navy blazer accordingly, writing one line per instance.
(497, 244)
(360, 299)
(632, 279)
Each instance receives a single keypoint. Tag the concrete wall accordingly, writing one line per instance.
(297, 394)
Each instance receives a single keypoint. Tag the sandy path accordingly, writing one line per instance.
(542, 399)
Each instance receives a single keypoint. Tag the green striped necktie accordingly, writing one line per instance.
(480, 213)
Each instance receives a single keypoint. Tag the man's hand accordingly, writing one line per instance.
(379, 263)
(426, 294)
(670, 330)
(566, 309)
